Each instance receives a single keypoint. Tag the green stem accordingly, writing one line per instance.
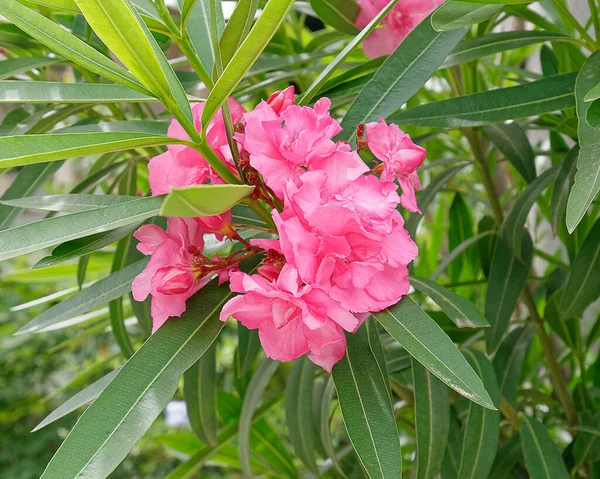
(185, 46)
(569, 19)
(163, 10)
(595, 18)
(550, 259)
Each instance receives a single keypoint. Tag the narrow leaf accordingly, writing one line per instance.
(507, 457)
(70, 203)
(543, 457)
(512, 141)
(562, 187)
(451, 15)
(237, 28)
(203, 200)
(340, 14)
(427, 343)
(13, 66)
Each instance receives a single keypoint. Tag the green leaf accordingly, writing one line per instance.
(31, 149)
(509, 361)
(340, 58)
(507, 457)
(13, 66)
(299, 410)
(66, 44)
(583, 285)
(401, 75)
(481, 434)
(200, 392)
(16, 91)
(71, 203)
(80, 399)
(84, 246)
(132, 126)
(367, 410)
(324, 422)
(508, 275)
(111, 426)
(562, 187)
(27, 181)
(514, 225)
(587, 178)
(256, 388)
(237, 28)
(549, 61)
(460, 310)
(486, 45)
(432, 421)
(452, 15)
(512, 141)
(49, 232)
(498, 2)
(453, 449)
(427, 343)
(487, 245)
(543, 457)
(68, 5)
(541, 96)
(203, 200)
(340, 14)
(460, 230)
(121, 29)
(113, 286)
(263, 30)
(195, 16)
(587, 443)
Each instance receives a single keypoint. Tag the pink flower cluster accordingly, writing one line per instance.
(342, 249)
(396, 25)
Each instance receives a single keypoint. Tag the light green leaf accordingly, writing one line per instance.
(66, 44)
(587, 178)
(367, 410)
(83, 246)
(512, 141)
(427, 343)
(401, 75)
(514, 225)
(200, 392)
(583, 284)
(432, 421)
(111, 426)
(80, 399)
(16, 91)
(121, 29)
(68, 203)
(543, 457)
(237, 28)
(508, 274)
(340, 58)
(452, 15)
(263, 30)
(68, 5)
(340, 14)
(530, 99)
(509, 360)
(460, 310)
(562, 187)
(31, 149)
(481, 434)
(203, 200)
(27, 181)
(485, 45)
(252, 399)
(52, 231)
(299, 410)
(113, 286)
(13, 66)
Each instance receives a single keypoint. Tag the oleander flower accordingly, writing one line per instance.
(396, 25)
(292, 319)
(401, 158)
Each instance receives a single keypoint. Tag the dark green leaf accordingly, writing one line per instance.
(562, 187)
(248, 347)
(542, 456)
(587, 178)
(432, 421)
(508, 456)
(549, 61)
(111, 426)
(428, 344)
(587, 443)
(486, 245)
(401, 75)
(512, 141)
(509, 361)
(494, 106)
(460, 229)
(367, 410)
(340, 14)
(452, 15)
(508, 275)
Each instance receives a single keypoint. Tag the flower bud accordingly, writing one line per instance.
(173, 280)
(280, 100)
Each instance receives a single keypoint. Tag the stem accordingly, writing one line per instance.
(595, 18)
(164, 13)
(558, 380)
(550, 259)
(185, 46)
(568, 17)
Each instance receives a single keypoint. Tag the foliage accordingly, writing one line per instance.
(489, 369)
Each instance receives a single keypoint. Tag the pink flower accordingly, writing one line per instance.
(171, 276)
(182, 165)
(396, 25)
(292, 319)
(280, 145)
(401, 158)
(342, 231)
